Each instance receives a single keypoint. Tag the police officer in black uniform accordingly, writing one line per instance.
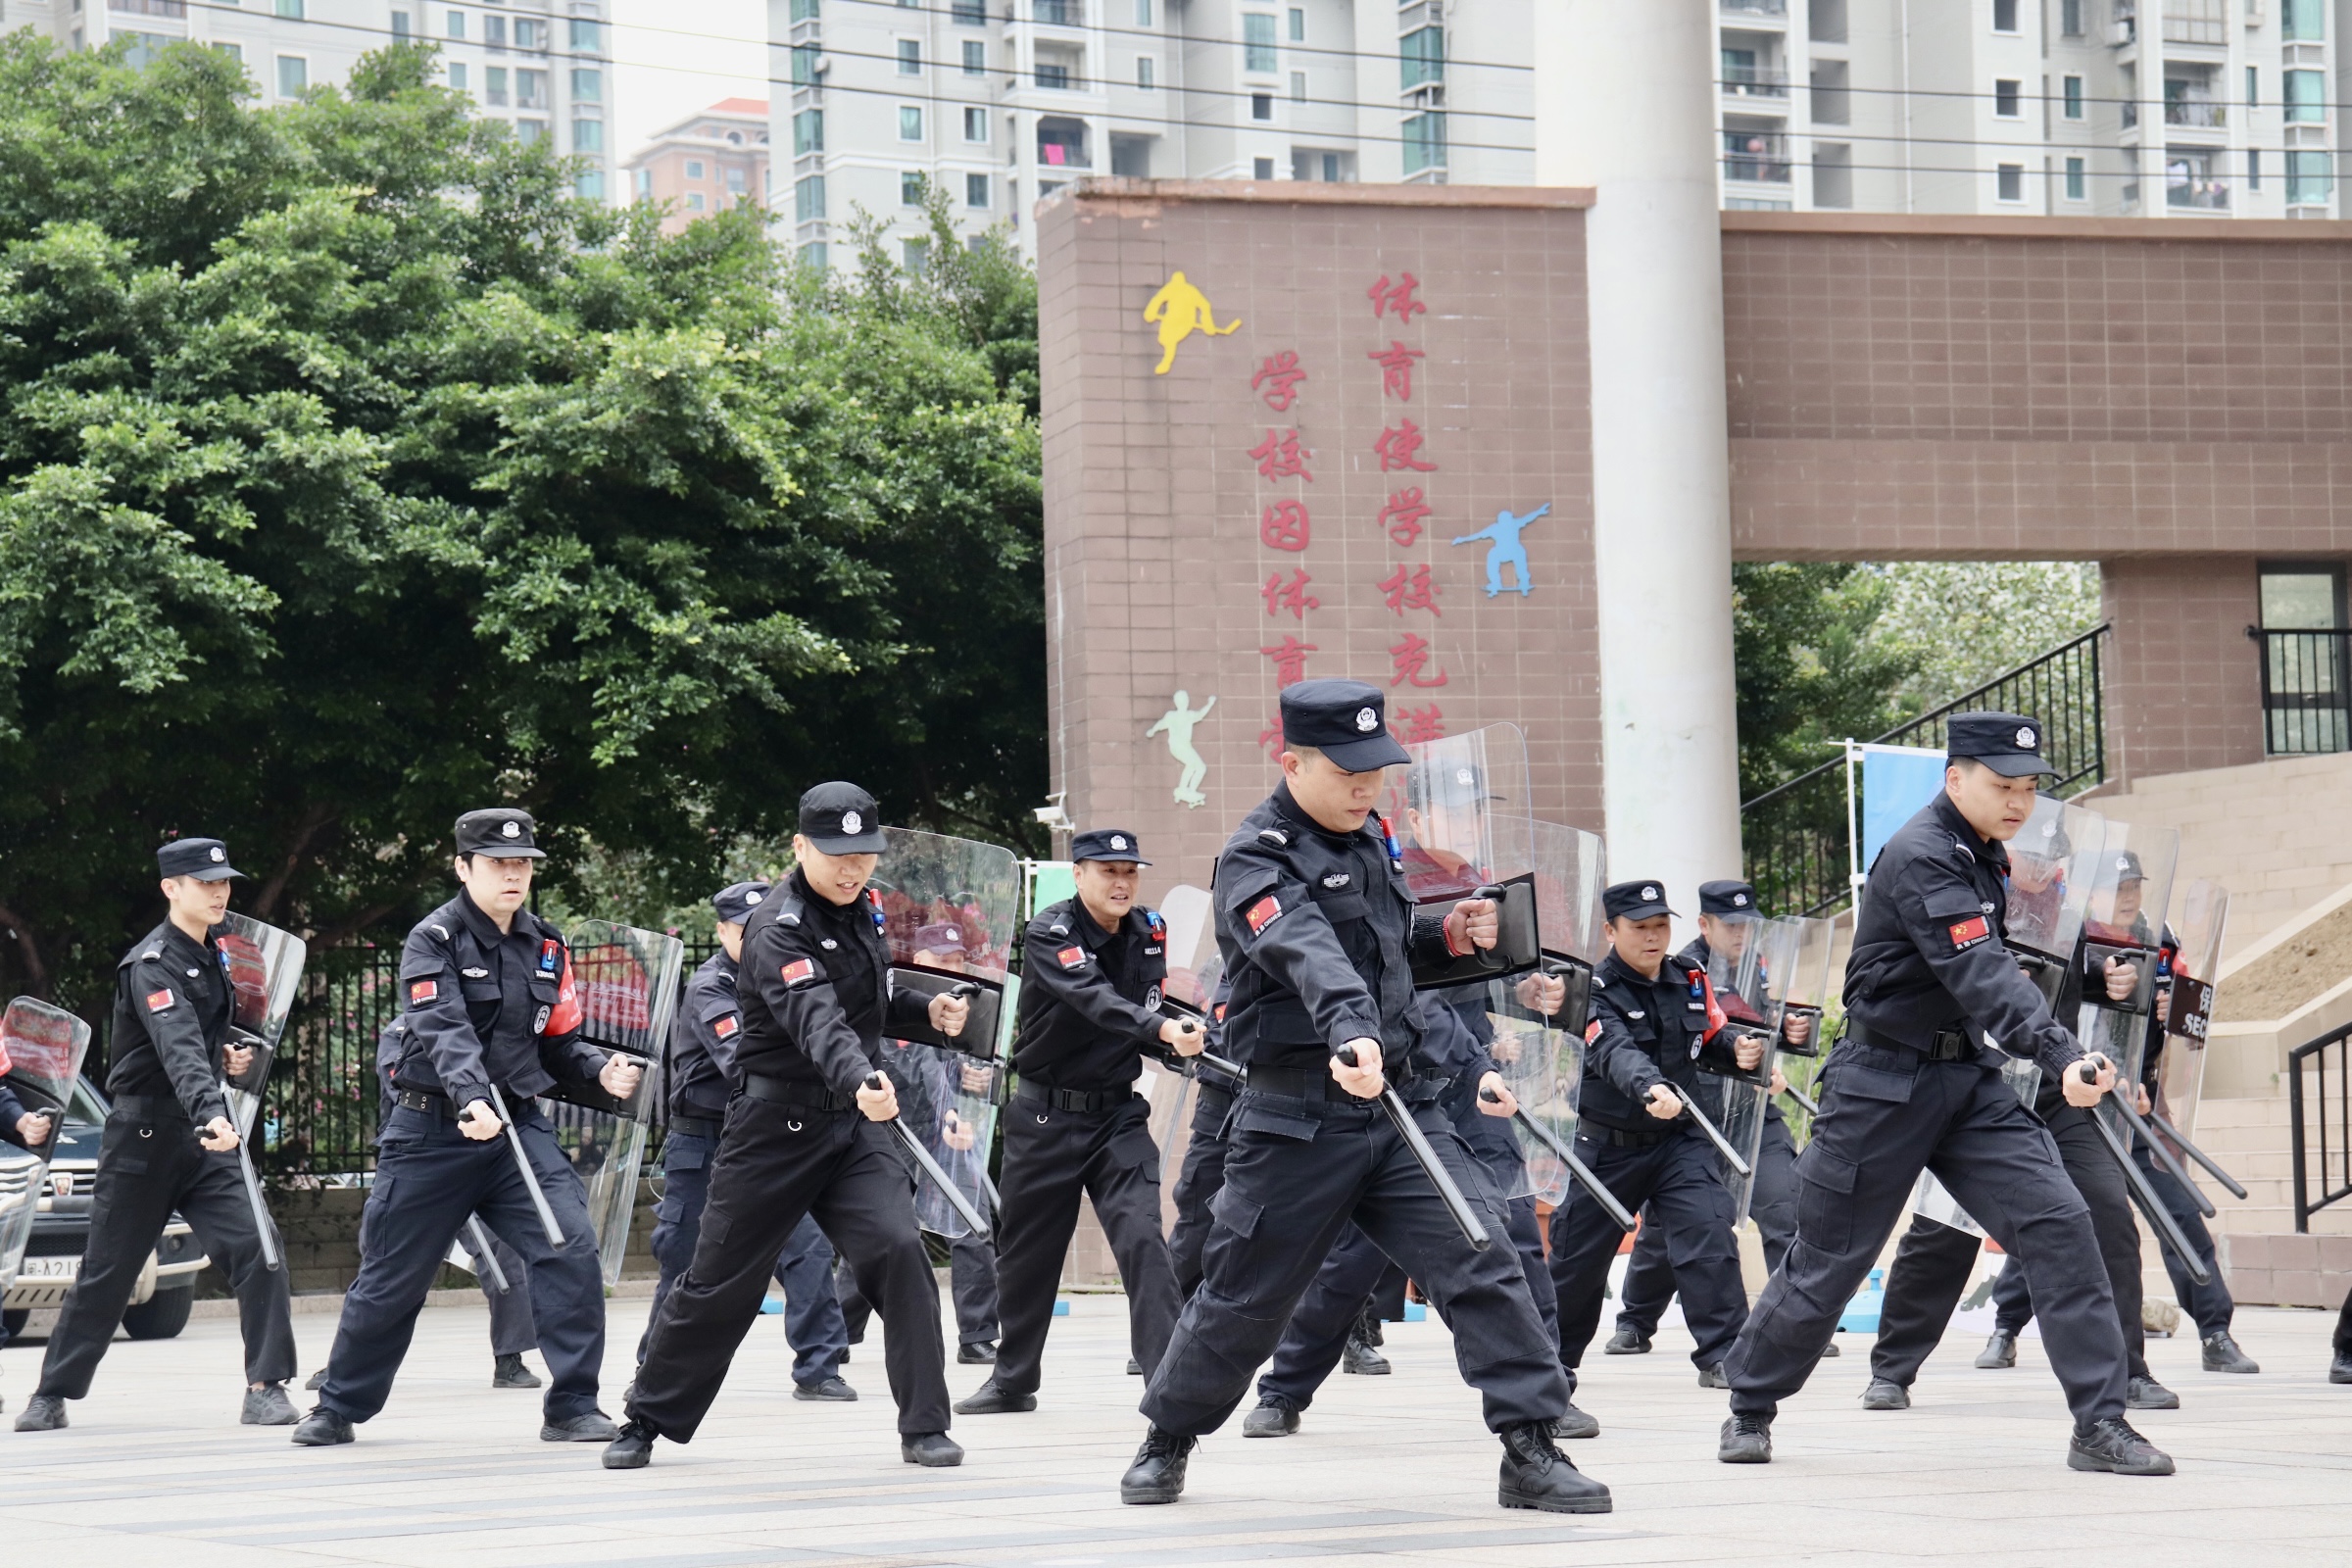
(698, 1073)
(805, 1136)
(1913, 1085)
(1727, 914)
(1319, 935)
(169, 1144)
(490, 1004)
(1650, 1026)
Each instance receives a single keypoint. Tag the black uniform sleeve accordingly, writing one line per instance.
(1612, 1051)
(1264, 911)
(1061, 971)
(1425, 945)
(437, 1020)
(11, 1108)
(909, 1009)
(713, 1019)
(1945, 920)
(160, 994)
(789, 974)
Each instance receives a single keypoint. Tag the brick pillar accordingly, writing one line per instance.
(2183, 687)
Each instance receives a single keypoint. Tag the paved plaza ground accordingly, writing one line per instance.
(156, 1471)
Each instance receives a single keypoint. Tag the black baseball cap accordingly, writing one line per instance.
(2010, 744)
(1728, 901)
(205, 860)
(2128, 867)
(735, 901)
(501, 832)
(1346, 721)
(1634, 900)
(1106, 844)
(841, 819)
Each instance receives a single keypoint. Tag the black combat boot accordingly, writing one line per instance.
(1157, 1474)
(1274, 1417)
(1999, 1352)
(1536, 1474)
(1745, 1440)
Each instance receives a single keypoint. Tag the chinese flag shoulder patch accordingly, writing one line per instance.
(1592, 1031)
(161, 1000)
(422, 991)
(799, 971)
(1968, 933)
(1072, 958)
(1261, 914)
(725, 1027)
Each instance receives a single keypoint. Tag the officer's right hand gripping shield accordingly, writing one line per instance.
(42, 1051)
(1459, 811)
(626, 982)
(951, 913)
(1539, 1054)
(2187, 1002)
(264, 977)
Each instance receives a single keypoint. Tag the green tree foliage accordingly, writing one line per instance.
(1962, 622)
(1809, 674)
(353, 473)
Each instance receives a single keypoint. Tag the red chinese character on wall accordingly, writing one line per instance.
(1269, 738)
(1410, 588)
(1402, 516)
(1290, 661)
(1283, 526)
(1409, 661)
(1397, 448)
(1396, 363)
(1279, 457)
(1413, 725)
(1395, 299)
(1277, 380)
(1292, 594)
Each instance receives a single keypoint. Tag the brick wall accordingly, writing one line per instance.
(2182, 680)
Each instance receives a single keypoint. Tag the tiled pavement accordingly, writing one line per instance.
(154, 1470)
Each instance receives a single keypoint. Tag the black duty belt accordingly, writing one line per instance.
(1077, 1100)
(1317, 1083)
(797, 1094)
(433, 1105)
(147, 1107)
(1637, 1137)
(1949, 1045)
(695, 1126)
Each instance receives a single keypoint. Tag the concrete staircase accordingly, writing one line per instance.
(2266, 1262)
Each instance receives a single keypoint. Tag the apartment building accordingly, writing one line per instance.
(705, 163)
(543, 66)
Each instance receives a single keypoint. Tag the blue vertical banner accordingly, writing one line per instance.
(1897, 781)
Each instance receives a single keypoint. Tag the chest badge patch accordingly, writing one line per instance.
(1072, 958)
(422, 991)
(727, 1027)
(1337, 879)
(161, 1000)
(827, 942)
(1261, 914)
(539, 1023)
(475, 974)
(1966, 934)
(799, 971)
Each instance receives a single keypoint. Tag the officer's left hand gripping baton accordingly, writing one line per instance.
(2144, 1193)
(1567, 1157)
(1700, 1119)
(530, 1177)
(478, 1241)
(930, 1167)
(1474, 1229)
(253, 1190)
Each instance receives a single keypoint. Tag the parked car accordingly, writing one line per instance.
(61, 1230)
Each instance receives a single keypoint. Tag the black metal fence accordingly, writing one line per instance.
(2306, 701)
(1797, 836)
(2320, 1122)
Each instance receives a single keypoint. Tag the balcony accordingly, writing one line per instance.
(150, 8)
(2123, 26)
(1060, 13)
(2196, 114)
(2204, 195)
(1755, 82)
(1754, 8)
(2131, 114)
(1061, 143)
(2305, 705)
(1757, 156)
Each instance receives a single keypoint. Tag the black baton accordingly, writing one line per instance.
(478, 1241)
(2164, 1155)
(253, 1183)
(1567, 1157)
(2199, 1155)
(2144, 1193)
(1474, 1229)
(922, 1157)
(1723, 1145)
(530, 1177)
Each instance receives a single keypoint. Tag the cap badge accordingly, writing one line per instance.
(219, 854)
(852, 823)
(510, 829)
(1739, 901)
(752, 898)
(1367, 720)
(2024, 738)
(1118, 841)
(2123, 863)
(1464, 776)
(1649, 892)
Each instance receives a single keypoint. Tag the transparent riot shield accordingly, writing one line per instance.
(1734, 981)
(1930, 1197)
(42, 1051)
(2197, 930)
(1458, 813)
(264, 976)
(950, 911)
(2053, 861)
(2123, 930)
(1195, 966)
(1540, 1053)
(1791, 955)
(625, 983)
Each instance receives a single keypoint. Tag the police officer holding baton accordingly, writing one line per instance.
(1913, 1086)
(1318, 935)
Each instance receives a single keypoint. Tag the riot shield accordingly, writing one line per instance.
(1457, 812)
(264, 974)
(1792, 956)
(1540, 1054)
(2123, 929)
(1196, 965)
(952, 914)
(2197, 931)
(42, 1051)
(624, 981)
(2052, 863)
(1930, 1197)
(1736, 981)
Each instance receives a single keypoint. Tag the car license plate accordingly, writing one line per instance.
(50, 1268)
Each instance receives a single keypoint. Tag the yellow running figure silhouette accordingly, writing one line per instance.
(1180, 310)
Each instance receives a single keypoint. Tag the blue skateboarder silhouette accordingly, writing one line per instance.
(1506, 548)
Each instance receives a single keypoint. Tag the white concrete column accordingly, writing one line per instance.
(1625, 103)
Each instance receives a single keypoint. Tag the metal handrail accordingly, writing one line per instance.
(2300, 1140)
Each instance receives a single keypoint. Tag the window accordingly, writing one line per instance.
(808, 131)
(294, 74)
(528, 131)
(493, 85)
(1262, 169)
(1298, 24)
(918, 253)
(2070, 17)
(2253, 88)
(588, 137)
(1297, 87)
(2306, 95)
(234, 51)
(455, 27)
(457, 73)
(587, 37)
(1424, 142)
(2300, 598)
(588, 87)
(1331, 169)
(975, 58)
(1261, 106)
(591, 184)
(975, 191)
(400, 25)
(291, 9)
(2004, 16)
(530, 89)
(2074, 97)
(812, 254)
(911, 57)
(1143, 72)
(976, 124)
(494, 32)
(808, 198)
(530, 36)
(2304, 20)
(910, 188)
(2074, 182)
(805, 10)
(735, 175)
(693, 169)
(695, 201)
(2009, 182)
(968, 14)
(1143, 13)
(2005, 98)
(645, 184)
(1421, 56)
(1257, 42)
(1055, 77)
(910, 122)
(2308, 182)
(804, 64)
(2253, 169)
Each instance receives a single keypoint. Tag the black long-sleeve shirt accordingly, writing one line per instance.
(172, 1014)
(486, 1006)
(1089, 997)
(700, 1072)
(815, 991)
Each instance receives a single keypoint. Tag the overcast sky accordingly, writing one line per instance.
(674, 57)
